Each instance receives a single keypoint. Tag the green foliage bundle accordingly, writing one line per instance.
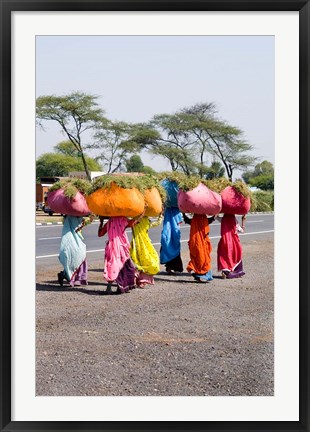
(184, 181)
(71, 187)
(187, 183)
(262, 201)
(140, 182)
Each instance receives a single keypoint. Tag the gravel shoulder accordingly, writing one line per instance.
(176, 338)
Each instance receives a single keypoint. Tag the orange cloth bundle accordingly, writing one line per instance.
(200, 200)
(116, 201)
(153, 202)
(233, 202)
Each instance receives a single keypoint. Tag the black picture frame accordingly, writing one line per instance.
(7, 7)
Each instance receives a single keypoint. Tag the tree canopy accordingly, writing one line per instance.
(135, 164)
(113, 140)
(189, 137)
(261, 177)
(194, 139)
(75, 113)
(56, 164)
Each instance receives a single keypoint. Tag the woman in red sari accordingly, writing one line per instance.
(229, 250)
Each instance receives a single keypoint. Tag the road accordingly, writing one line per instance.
(48, 238)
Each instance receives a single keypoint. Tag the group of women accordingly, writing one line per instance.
(130, 264)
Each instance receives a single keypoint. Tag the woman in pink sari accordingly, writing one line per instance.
(229, 250)
(118, 267)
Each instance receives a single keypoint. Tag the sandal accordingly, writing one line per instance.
(60, 278)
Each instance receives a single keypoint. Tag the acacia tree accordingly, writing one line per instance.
(113, 139)
(188, 137)
(217, 137)
(75, 113)
(216, 170)
(165, 136)
(66, 148)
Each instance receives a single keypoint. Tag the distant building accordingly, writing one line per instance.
(82, 174)
(46, 182)
(42, 189)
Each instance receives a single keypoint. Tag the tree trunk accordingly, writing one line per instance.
(85, 166)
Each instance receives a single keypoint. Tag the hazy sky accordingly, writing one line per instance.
(136, 77)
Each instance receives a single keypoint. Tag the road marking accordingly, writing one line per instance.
(49, 238)
(217, 223)
(182, 227)
(157, 244)
(97, 222)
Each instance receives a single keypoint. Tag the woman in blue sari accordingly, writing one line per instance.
(170, 251)
(72, 253)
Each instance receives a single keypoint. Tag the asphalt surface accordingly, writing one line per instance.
(176, 338)
(48, 237)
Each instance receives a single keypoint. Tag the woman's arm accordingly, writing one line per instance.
(102, 229)
(133, 222)
(243, 219)
(186, 219)
(211, 219)
(157, 222)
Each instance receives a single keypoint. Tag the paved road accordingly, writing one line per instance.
(48, 238)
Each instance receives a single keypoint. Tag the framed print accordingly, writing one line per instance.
(144, 84)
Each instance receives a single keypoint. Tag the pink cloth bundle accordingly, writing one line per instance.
(200, 200)
(233, 202)
(59, 203)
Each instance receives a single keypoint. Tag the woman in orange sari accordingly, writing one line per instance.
(199, 247)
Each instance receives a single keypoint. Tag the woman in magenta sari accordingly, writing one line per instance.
(229, 250)
(118, 266)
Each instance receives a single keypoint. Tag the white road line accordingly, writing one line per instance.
(217, 223)
(97, 222)
(157, 244)
(49, 238)
(182, 227)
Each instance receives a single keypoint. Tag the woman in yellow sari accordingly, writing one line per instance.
(143, 253)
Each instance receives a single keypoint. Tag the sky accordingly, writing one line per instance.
(137, 77)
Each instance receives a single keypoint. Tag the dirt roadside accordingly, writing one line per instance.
(175, 338)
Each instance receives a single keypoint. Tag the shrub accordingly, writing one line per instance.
(262, 201)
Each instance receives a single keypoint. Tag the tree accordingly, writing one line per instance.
(75, 113)
(66, 148)
(217, 137)
(114, 141)
(59, 165)
(188, 137)
(163, 136)
(263, 182)
(148, 170)
(262, 176)
(216, 170)
(134, 164)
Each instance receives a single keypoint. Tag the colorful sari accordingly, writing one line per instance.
(143, 253)
(72, 253)
(118, 266)
(170, 251)
(200, 249)
(229, 250)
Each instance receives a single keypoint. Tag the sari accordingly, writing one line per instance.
(118, 266)
(170, 251)
(72, 253)
(229, 250)
(200, 249)
(143, 253)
